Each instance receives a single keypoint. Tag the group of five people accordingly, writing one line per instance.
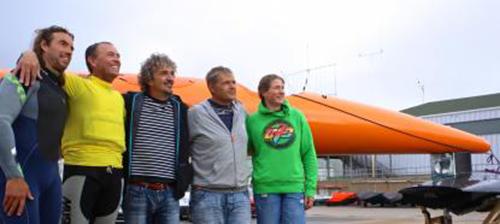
(146, 144)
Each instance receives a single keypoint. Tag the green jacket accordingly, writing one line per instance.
(284, 158)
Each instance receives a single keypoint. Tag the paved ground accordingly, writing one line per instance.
(376, 215)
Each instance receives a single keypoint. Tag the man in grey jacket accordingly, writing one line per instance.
(219, 153)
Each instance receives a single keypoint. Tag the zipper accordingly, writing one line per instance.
(234, 162)
(177, 133)
(130, 135)
(233, 139)
(212, 113)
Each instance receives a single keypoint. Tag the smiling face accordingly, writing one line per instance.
(106, 62)
(58, 52)
(275, 95)
(163, 81)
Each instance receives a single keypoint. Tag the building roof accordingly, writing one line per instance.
(453, 105)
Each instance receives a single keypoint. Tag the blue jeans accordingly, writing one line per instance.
(208, 207)
(142, 205)
(284, 208)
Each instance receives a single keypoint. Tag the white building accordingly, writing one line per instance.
(479, 115)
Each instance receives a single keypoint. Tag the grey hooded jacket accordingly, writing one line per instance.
(219, 156)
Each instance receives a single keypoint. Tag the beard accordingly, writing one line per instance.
(57, 67)
(60, 67)
(56, 63)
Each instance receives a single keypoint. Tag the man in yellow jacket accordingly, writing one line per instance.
(94, 139)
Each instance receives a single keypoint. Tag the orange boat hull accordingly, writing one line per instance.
(344, 127)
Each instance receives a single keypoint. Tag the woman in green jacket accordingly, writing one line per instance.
(284, 159)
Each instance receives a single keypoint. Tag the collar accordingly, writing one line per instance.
(217, 105)
(57, 79)
(157, 100)
(285, 107)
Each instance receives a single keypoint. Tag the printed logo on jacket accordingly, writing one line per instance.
(279, 134)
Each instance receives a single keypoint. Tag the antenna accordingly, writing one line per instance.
(308, 73)
(370, 54)
(334, 82)
(307, 70)
(421, 86)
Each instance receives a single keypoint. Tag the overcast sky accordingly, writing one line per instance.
(377, 51)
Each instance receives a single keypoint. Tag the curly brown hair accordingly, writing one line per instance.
(151, 65)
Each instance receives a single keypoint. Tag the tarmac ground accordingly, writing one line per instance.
(378, 215)
(381, 215)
